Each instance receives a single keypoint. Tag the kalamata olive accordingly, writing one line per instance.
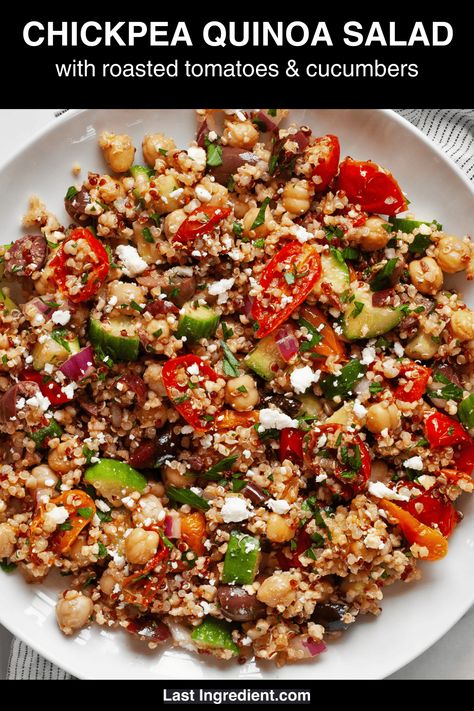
(232, 158)
(149, 629)
(76, 206)
(26, 255)
(135, 384)
(167, 445)
(157, 307)
(330, 615)
(239, 605)
(9, 400)
(144, 456)
(288, 405)
(180, 289)
(264, 120)
(382, 297)
(201, 135)
(254, 493)
(408, 326)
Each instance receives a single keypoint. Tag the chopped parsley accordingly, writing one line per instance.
(102, 550)
(420, 244)
(260, 219)
(316, 337)
(231, 364)
(358, 308)
(214, 154)
(71, 191)
(231, 184)
(272, 163)
(104, 516)
(179, 400)
(85, 512)
(375, 388)
(60, 336)
(260, 243)
(66, 526)
(222, 466)
(450, 391)
(272, 112)
(226, 331)
(237, 229)
(147, 236)
(381, 280)
(6, 566)
(186, 496)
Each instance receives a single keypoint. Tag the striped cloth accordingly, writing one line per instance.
(453, 130)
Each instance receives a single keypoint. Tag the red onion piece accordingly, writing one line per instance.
(286, 341)
(202, 132)
(301, 137)
(149, 629)
(263, 118)
(248, 304)
(79, 365)
(314, 648)
(161, 306)
(8, 401)
(173, 526)
(232, 159)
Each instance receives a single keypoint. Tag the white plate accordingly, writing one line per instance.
(414, 616)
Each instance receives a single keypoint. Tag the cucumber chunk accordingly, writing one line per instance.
(114, 480)
(142, 175)
(466, 412)
(109, 337)
(333, 272)
(241, 559)
(197, 322)
(363, 320)
(52, 351)
(8, 303)
(41, 436)
(215, 634)
(408, 226)
(265, 359)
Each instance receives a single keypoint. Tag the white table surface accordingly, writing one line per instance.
(451, 658)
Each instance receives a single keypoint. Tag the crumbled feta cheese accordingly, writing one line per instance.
(368, 355)
(206, 607)
(48, 368)
(302, 378)
(196, 490)
(398, 348)
(176, 193)
(68, 390)
(414, 463)
(29, 359)
(322, 441)
(424, 230)
(390, 253)
(132, 263)
(56, 516)
(301, 234)
(39, 401)
(372, 540)
(212, 135)
(234, 510)
(426, 481)
(359, 410)
(187, 429)
(102, 506)
(60, 316)
(378, 489)
(220, 287)
(198, 155)
(202, 194)
(279, 506)
(275, 419)
(193, 369)
(320, 478)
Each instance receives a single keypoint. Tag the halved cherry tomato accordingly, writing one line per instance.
(443, 431)
(326, 150)
(417, 532)
(291, 444)
(330, 344)
(432, 509)
(81, 508)
(193, 531)
(229, 419)
(464, 458)
(142, 587)
(292, 272)
(94, 266)
(49, 388)
(176, 378)
(200, 222)
(417, 377)
(372, 187)
(347, 450)
(303, 542)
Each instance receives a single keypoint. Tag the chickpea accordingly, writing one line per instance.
(7, 540)
(296, 197)
(140, 546)
(173, 477)
(426, 275)
(44, 477)
(170, 194)
(241, 393)
(149, 507)
(462, 325)
(279, 529)
(108, 581)
(421, 347)
(264, 229)
(220, 194)
(277, 590)
(242, 134)
(452, 254)
(153, 144)
(173, 222)
(153, 378)
(374, 235)
(148, 251)
(73, 611)
(60, 459)
(155, 326)
(118, 151)
(123, 293)
(382, 416)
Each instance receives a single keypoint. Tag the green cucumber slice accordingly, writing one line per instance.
(241, 559)
(8, 304)
(52, 351)
(363, 320)
(142, 175)
(114, 480)
(334, 272)
(215, 634)
(408, 226)
(265, 359)
(109, 337)
(51, 430)
(197, 322)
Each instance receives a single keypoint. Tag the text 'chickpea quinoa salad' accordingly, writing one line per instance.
(236, 399)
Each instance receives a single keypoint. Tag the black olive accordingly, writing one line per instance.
(330, 615)
(288, 405)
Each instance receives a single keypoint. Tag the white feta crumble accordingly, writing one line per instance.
(320, 478)
(301, 234)
(48, 368)
(39, 401)
(399, 349)
(29, 359)
(193, 369)
(372, 540)
(102, 506)
(275, 419)
(176, 193)
(302, 378)
(279, 506)
(212, 135)
(368, 355)
(206, 607)
(56, 516)
(202, 194)
(60, 316)
(132, 263)
(221, 286)
(414, 463)
(198, 155)
(68, 390)
(378, 489)
(424, 229)
(359, 410)
(234, 510)
(426, 481)
(390, 253)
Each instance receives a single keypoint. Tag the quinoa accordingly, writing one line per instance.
(235, 394)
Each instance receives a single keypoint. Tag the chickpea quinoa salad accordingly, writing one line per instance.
(236, 397)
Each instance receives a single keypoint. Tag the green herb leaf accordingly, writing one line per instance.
(214, 155)
(260, 243)
(272, 163)
(104, 516)
(88, 453)
(90, 580)
(71, 191)
(272, 112)
(112, 263)
(260, 219)
(147, 236)
(231, 365)
(358, 308)
(238, 485)
(66, 526)
(102, 550)
(375, 388)
(350, 253)
(343, 383)
(222, 466)
(231, 184)
(381, 280)
(60, 336)
(237, 229)
(316, 336)
(420, 244)
(186, 496)
(85, 512)
(353, 461)
(6, 566)
(179, 400)
(226, 331)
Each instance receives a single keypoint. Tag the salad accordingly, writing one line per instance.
(236, 393)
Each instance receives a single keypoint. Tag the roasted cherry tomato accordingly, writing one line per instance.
(79, 275)
(49, 388)
(432, 509)
(464, 458)
(141, 587)
(417, 377)
(325, 151)
(417, 532)
(193, 531)
(303, 542)
(330, 344)
(230, 419)
(291, 444)
(200, 222)
(339, 454)
(443, 431)
(371, 186)
(81, 508)
(177, 373)
(286, 281)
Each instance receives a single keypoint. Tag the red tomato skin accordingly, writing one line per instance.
(464, 458)
(192, 228)
(51, 389)
(291, 444)
(97, 275)
(303, 542)
(443, 431)
(370, 186)
(436, 510)
(185, 409)
(328, 161)
(267, 319)
(420, 377)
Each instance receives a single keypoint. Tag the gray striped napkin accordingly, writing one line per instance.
(453, 130)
